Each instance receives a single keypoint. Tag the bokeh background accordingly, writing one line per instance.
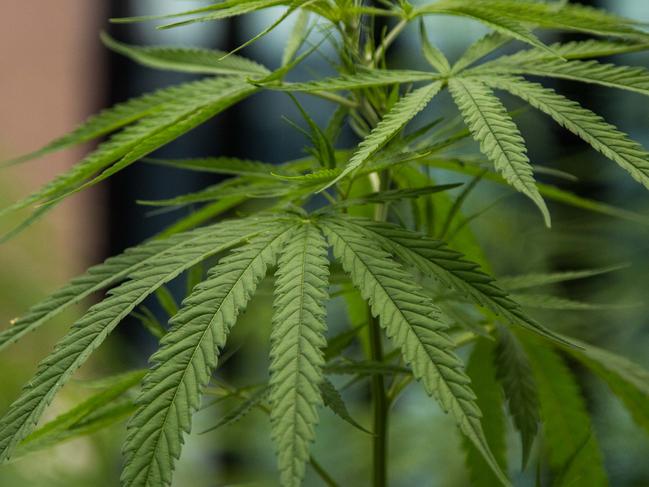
(54, 72)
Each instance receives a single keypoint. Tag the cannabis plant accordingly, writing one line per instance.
(368, 223)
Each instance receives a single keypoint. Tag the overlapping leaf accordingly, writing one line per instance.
(575, 50)
(498, 135)
(244, 187)
(334, 401)
(434, 258)
(230, 9)
(416, 325)
(432, 53)
(635, 79)
(602, 136)
(92, 329)
(222, 165)
(297, 342)
(188, 354)
(526, 281)
(296, 39)
(196, 103)
(515, 374)
(483, 47)
(494, 19)
(502, 14)
(549, 301)
(77, 420)
(250, 401)
(221, 10)
(547, 190)
(112, 119)
(568, 435)
(396, 119)
(95, 279)
(187, 60)
(626, 379)
(482, 372)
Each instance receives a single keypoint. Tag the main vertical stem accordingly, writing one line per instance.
(380, 401)
(380, 182)
(381, 406)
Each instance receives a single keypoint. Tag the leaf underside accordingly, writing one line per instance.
(188, 354)
(297, 343)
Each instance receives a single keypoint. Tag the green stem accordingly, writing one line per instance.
(379, 182)
(388, 40)
(381, 407)
(341, 100)
(326, 478)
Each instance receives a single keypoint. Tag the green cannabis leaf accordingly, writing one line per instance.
(376, 224)
(296, 349)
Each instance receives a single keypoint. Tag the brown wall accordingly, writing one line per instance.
(50, 80)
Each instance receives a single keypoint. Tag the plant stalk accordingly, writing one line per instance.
(380, 399)
(389, 39)
(324, 475)
(381, 406)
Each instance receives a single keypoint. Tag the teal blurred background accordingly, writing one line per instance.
(54, 72)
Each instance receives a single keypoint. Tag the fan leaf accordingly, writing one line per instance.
(502, 15)
(297, 342)
(92, 329)
(99, 277)
(193, 105)
(629, 78)
(188, 354)
(481, 370)
(417, 327)
(626, 379)
(575, 50)
(592, 128)
(498, 136)
(514, 372)
(396, 119)
(494, 19)
(569, 440)
(112, 119)
(434, 258)
(186, 59)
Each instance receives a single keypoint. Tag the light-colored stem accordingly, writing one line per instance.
(341, 100)
(324, 475)
(388, 40)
